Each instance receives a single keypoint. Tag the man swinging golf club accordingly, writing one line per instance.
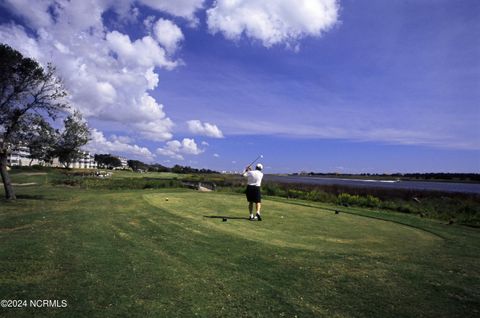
(254, 181)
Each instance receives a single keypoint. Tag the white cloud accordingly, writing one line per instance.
(34, 11)
(272, 21)
(168, 35)
(171, 150)
(180, 8)
(205, 129)
(216, 155)
(142, 52)
(117, 145)
(361, 131)
(122, 139)
(108, 74)
(190, 147)
(204, 143)
(176, 149)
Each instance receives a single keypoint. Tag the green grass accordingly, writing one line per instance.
(132, 253)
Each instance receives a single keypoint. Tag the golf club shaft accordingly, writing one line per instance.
(254, 161)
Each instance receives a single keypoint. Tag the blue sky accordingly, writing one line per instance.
(358, 86)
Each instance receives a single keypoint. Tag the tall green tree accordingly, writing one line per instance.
(43, 139)
(28, 93)
(74, 136)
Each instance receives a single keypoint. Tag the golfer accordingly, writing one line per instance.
(254, 181)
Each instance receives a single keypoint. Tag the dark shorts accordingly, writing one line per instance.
(253, 194)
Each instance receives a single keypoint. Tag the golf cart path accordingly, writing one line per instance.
(22, 184)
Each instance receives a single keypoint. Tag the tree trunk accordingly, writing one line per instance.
(7, 184)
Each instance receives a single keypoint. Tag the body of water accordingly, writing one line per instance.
(391, 184)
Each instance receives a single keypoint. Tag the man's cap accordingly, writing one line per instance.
(259, 166)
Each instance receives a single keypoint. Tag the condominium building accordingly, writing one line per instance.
(124, 162)
(20, 156)
(86, 161)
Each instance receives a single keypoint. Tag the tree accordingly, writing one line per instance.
(75, 135)
(107, 160)
(28, 93)
(158, 168)
(42, 141)
(137, 165)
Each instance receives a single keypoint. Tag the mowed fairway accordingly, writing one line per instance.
(137, 254)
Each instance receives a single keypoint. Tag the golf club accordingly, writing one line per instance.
(260, 156)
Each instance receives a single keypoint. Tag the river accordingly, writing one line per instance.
(391, 184)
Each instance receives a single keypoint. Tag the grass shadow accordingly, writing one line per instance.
(34, 197)
(226, 217)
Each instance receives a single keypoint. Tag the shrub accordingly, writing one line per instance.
(274, 189)
(346, 199)
(372, 202)
(319, 196)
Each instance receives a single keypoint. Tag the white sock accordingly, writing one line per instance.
(258, 212)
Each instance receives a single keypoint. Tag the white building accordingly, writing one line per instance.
(86, 161)
(20, 156)
(124, 162)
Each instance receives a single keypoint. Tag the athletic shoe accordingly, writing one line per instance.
(258, 217)
(251, 218)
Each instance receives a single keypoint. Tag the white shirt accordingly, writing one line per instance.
(254, 177)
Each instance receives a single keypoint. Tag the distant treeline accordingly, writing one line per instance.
(137, 165)
(404, 176)
(109, 161)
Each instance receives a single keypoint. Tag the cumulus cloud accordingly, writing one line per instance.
(272, 21)
(117, 145)
(108, 74)
(168, 35)
(176, 149)
(205, 129)
(144, 52)
(216, 155)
